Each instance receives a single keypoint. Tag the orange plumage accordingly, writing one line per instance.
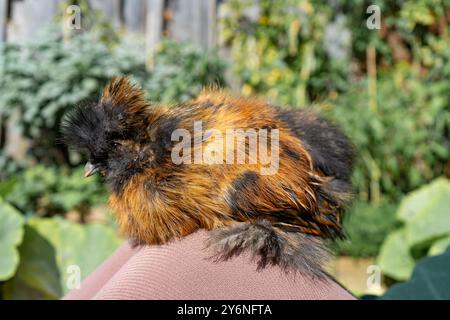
(131, 144)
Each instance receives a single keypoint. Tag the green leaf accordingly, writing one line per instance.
(11, 234)
(51, 246)
(38, 274)
(7, 186)
(427, 211)
(412, 204)
(439, 246)
(430, 280)
(395, 259)
(366, 226)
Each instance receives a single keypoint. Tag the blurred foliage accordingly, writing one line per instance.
(281, 48)
(11, 233)
(430, 280)
(39, 255)
(297, 51)
(415, 31)
(404, 142)
(44, 77)
(8, 167)
(55, 254)
(366, 226)
(46, 191)
(425, 230)
(180, 71)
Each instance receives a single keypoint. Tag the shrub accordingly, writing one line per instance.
(430, 280)
(401, 144)
(45, 252)
(45, 77)
(38, 252)
(289, 50)
(425, 230)
(366, 226)
(47, 191)
(8, 167)
(180, 71)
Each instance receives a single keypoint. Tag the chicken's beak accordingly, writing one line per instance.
(89, 169)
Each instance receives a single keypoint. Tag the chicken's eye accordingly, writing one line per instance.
(117, 144)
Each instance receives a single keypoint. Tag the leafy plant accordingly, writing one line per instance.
(404, 142)
(38, 253)
(411, 30)
(180, 71)
(46, 191)
(54, 250)
(430, 280)
(291, 50)
(11, 233)
(8, 167)
(366, 226)
(425, 230)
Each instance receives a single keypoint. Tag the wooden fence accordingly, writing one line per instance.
(183, 20)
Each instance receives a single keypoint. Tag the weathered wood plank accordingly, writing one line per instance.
(153, 27)
(3, 19)
(194, 21)
(111, 9)
(29, 17)
(211, 8)
(206, 26)
(134, 16)
(191, 20)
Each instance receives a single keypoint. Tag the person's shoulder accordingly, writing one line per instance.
(185, 269)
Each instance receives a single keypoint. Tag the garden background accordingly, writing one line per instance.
(388, 88)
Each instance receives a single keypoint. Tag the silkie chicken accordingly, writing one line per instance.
(284, 218)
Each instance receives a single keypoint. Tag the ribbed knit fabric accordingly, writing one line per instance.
(182, 269)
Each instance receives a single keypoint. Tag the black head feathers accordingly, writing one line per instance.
(120, 93)
(118, 115)
(101, 129)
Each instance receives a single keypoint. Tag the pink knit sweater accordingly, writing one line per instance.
(182, 269)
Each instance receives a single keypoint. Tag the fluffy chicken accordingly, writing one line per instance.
(283, 218)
